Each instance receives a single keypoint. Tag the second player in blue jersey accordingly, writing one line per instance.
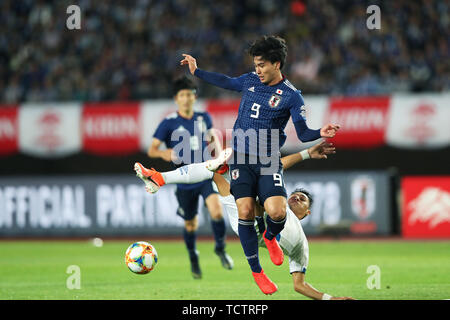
(187, 135)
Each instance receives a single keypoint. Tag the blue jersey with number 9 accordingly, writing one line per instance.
(263, 112)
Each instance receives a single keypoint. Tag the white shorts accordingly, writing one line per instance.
(293, 241)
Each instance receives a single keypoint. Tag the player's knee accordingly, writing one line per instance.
(275, 207)
(191, 225)
(216, 213)
(190, 228)
(246, 212)
(276, 213)
(215, 209)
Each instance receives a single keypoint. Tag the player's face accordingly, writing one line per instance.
(268, 72)
(299, 204)
(185, 100)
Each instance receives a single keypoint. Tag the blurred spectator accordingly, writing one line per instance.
(129, 50)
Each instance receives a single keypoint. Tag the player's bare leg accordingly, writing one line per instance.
(222, 185)
(276, 209)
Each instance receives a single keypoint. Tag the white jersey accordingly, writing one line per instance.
(293, 241)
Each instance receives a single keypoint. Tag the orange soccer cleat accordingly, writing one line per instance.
(223, 169)
(275, 252)
(153, 179)
(264, 283)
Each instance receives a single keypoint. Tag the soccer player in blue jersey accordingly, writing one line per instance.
(268, 101)
(186, 134)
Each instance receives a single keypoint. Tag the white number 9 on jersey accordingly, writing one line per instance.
(255, 108)
(278, 180)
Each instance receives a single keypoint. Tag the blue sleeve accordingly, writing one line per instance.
(297, 107)
(163, 131)
(298, 111)
(221, 80)
(305, 134)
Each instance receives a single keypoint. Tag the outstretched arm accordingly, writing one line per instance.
(306, 134)
(318, 151)
(298, 113)
(214, 78)
(301, 286)
(154, 151)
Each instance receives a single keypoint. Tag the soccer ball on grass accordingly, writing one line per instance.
(141, 257)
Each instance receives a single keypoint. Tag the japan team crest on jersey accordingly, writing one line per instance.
(235, 174)
(274, 101)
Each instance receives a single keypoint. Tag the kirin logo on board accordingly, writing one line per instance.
(431, 206)
(111, 128)
(420, 128)
(49, 124)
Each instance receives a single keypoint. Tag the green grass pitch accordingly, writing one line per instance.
(38, 270)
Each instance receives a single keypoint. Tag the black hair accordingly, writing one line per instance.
(306, 193)
(183, 83)
(270, 48)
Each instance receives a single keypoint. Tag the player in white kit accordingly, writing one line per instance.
(292, 239)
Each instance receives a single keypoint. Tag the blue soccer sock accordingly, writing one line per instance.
(249, 242)
(218, 227)
(190, 241)
(274, 227)
(260, 223)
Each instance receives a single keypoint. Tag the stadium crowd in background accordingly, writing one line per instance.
(130, 50)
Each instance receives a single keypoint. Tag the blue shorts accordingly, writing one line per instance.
(188, 199)
(250, 180)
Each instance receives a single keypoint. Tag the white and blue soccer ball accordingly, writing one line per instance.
(141, 257)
